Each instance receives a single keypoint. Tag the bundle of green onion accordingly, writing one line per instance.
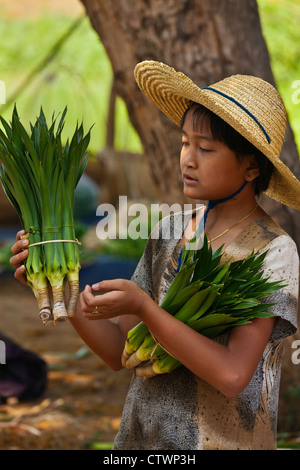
(210, 296)
(39, 176)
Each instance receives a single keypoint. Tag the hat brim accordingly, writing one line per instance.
(173, 92)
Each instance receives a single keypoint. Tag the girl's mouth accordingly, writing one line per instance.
(187, 179)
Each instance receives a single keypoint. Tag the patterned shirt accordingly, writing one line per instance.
(180, 411)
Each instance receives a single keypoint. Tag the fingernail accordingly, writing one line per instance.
(25, 242)
(95, 286)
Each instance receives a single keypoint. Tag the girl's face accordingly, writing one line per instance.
(210, 170)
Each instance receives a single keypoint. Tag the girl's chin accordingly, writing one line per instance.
(194, 194)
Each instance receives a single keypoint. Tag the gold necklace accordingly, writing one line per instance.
(230, 228)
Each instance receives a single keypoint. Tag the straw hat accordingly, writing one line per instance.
(250, 105)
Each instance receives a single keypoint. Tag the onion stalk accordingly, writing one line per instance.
(39, 176)
(208, 295)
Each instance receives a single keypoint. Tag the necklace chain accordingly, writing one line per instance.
(237, 223)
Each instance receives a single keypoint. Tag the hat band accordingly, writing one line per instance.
(241, 106)
(212, 204)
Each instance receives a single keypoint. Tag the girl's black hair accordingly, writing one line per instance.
(223, 132)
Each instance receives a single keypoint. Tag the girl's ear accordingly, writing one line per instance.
(252, 169)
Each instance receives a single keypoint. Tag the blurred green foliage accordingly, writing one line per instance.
(79, 75)
(280, 20)
(5, 255)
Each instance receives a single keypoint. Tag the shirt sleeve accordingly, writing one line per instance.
(282, 263)
(143, 274)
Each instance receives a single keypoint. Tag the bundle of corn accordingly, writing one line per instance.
(210, 297)
(39, 176)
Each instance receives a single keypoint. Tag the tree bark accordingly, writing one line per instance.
(207, 40)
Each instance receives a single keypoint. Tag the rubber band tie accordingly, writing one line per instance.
(54, 241)
(157, 344)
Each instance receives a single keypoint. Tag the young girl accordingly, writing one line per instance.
(226, 395)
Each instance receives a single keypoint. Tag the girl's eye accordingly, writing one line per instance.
(184, 144)
(204, 150)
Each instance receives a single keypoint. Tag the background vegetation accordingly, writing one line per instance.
(77, 72)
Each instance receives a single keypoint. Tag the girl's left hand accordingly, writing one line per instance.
(118, 297)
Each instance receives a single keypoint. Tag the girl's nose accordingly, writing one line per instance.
(190, 157)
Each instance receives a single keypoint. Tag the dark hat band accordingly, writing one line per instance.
(241, 106)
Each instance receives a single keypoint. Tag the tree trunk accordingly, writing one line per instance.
(207, 40)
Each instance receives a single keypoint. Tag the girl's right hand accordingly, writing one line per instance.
(20, 254)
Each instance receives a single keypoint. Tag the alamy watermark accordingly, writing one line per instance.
(296, 93)
(296, 353)
(2, 352)
(137, 220)
(2, 92)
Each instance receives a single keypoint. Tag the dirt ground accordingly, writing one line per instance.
(82, 404)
